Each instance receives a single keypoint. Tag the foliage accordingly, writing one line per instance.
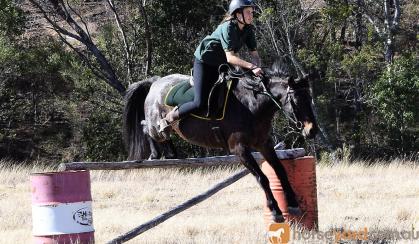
(101, 137)
(177, 28)
(395, 99)
(34, 115)
(12, 18)
(54, 108)
(96, 116)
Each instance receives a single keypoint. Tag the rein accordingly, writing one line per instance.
(231, 73)
(293, 119)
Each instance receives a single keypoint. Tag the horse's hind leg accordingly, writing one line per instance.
(269, 154)
(158, 148)
(250, 163)
(154, 148)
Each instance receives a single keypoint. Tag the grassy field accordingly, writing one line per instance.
(350, 196)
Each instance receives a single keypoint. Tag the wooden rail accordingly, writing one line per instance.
(172, 163)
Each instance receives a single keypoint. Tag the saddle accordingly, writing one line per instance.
(217, 99)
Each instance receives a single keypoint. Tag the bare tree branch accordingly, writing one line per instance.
(124, 39)
(109, 75)
(55, 26)
(85, 59)
(271, 33)
(300, 70)
(372, 22)
(386, 14)
(389, 23)
(396, 18)
(147, 33)
(81, 19)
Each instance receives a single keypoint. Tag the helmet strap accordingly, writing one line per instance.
(244, 20)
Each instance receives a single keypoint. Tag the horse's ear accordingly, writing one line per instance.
(291, 81)
(302, 79)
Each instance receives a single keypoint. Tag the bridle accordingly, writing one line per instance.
(288, 99)
(298, 126)
(255, 85)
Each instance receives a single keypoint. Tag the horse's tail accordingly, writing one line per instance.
(135, 138)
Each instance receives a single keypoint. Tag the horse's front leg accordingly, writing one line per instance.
(270, 156)
(250, 163)
(169, 150)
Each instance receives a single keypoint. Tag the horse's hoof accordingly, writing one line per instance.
(295, 211)
(279, 219)
(152, 157)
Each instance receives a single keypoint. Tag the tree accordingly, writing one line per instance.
(65, 12)
(396, 104)
(284, 21)
(384, 16)
(12, 19)
(70, 27)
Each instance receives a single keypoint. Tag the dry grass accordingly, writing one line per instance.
(350, 196)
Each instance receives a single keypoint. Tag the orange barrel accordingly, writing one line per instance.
(302, 176)
(62, 207)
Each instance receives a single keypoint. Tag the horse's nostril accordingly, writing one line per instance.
(309, 130)
(308, 125)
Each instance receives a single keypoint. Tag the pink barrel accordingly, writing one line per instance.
(62, 207)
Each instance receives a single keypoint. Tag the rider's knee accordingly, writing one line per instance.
(199, 103)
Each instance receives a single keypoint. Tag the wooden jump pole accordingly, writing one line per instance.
(180, 208)
(174, 163)
(282, 154)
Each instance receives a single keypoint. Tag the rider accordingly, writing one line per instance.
(221, 47)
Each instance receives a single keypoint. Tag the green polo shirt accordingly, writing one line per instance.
(227, 37)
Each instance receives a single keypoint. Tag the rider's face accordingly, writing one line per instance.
(247, 16)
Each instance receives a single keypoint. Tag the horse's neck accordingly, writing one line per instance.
(257, 103)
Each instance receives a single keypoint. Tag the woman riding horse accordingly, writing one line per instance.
(250, 110)
(221, 47)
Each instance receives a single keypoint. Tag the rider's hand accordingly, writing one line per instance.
(257, 71)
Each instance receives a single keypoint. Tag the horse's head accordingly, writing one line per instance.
(294, 97)
(296, 103)
(291, 96)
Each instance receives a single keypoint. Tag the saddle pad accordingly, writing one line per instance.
(180, 94)
(184, 92)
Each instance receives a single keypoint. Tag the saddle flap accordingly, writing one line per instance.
(183, 92)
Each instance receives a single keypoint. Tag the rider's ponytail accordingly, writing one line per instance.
(228, 17)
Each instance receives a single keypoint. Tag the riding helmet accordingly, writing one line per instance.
(239, 4)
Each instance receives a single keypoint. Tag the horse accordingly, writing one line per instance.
(246, 125)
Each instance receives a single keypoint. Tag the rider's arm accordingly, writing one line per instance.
(233, 59)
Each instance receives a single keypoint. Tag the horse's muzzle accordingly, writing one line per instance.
(309, 129)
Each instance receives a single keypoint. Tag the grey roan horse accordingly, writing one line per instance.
(246, 125)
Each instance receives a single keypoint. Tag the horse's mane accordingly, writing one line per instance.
(278, 69)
